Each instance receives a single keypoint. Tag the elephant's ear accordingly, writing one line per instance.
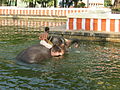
(67, 42)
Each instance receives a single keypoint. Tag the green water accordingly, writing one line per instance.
(92, 66)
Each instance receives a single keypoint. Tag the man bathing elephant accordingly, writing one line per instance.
(48, 47)
(45, 40)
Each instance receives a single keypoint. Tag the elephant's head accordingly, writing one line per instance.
(57, 51)
(57, 40)
(61, 44)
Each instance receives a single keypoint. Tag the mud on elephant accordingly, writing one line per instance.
(37, 53)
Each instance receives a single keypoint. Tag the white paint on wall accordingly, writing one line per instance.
(94, 3)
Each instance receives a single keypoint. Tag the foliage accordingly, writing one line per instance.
(3, 2)
(27, 0)
(82, 5)
(51, 3)
(107, 3)
(116, 9)
(40, 1)
(75, 0)
(43, 3)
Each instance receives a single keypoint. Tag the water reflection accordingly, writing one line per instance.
(34, 23)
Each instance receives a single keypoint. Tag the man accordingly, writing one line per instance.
(55, 50)
(44, 38)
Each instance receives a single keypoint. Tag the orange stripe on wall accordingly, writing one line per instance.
(20, 11)
(79, 23)
(64, 13)
(87, 24)
(119, 25)
(103, 25)
(95, 24)
(75, 11)
(26, 12)
(58, 12)
(44, 12)
(0, 11)
(36, 12)
(78, 11)
(47, 12)
(33, 12)
(71, 11)
(6, 11)
(71, 23)
(17, 12)
(112, 25)
(68, 11)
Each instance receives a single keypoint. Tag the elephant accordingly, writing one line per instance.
(37, 53)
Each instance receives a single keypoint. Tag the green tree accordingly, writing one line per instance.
(107, 3)
(44, 3)
(75, 2)
(81, 5)
(3, 2)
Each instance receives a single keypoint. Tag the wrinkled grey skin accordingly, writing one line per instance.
(34, 54)
(37, 53)
(57, 40)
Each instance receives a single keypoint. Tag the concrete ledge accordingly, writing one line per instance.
(87, 35)
(94, 16)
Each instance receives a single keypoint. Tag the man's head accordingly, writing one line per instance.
(47, 29)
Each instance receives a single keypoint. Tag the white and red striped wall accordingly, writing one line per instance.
(46, 11)
(94, 22)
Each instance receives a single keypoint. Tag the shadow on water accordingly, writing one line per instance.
(92, 66)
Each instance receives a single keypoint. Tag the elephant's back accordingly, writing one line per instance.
(34, 54)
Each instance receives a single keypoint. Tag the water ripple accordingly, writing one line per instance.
(92, 66)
